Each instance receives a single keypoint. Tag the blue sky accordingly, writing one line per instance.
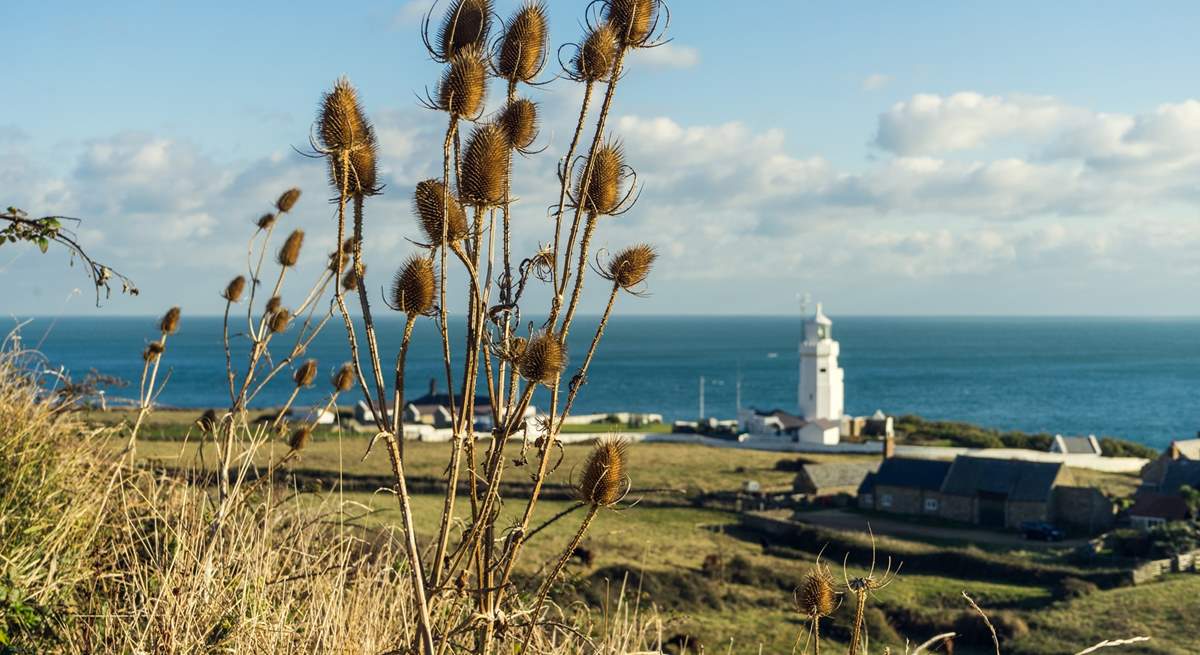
(900, 158)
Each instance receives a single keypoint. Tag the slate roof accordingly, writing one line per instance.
(1018, 479)
(1180, 472)
(832, 475)
(1078, 445)
(927, 474)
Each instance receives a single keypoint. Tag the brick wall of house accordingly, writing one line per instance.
(1019, 512)
(1085, 508)
(958, 508)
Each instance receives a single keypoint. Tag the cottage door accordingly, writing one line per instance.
(991, 508)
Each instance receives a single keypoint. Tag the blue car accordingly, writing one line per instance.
(1041, 531)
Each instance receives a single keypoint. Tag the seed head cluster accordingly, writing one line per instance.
(604, 479)
(289, 252)
(523, 47)
(287, 200)
(169, 323)
(305, 375)
(633, 20)
(414, 287)
(343, 380)
(600, 193)
(594, 60)
(816, 596)
(233, 290)
(543, 359)
(464, 84)
(520, 123)
(631, 266)
(486, 166)
(430, 209)
(466, 23)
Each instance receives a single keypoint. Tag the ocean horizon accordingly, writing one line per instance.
(1131, 377)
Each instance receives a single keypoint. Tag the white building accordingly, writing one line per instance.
(821, 392)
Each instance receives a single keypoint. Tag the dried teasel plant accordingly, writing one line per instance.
(150, 388)
(477, 172)
(815, 599)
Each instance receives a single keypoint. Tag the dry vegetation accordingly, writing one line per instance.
(101, 556)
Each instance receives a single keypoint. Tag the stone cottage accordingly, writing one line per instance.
(905, 486)
(832, 478)
(1160, 497)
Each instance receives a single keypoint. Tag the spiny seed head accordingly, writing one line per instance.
(273, 303)
(305, 375)
(520, 123)
(287, 200)
(516, 348)
(340, 123)
(280, 320)
(816, 596)
(344, 378)
(466, 23)
(596, 56)
(300, 438)
(265, 221)
(233, 290)
(524, 43)
(604, 477)
(361, 178)
(289, 253)
(414, 286)
(632, 19)
(486, 166)
(603, 192)
(169, 323)
(543, 359)
(350, 278)
(342, 255)
(152, 351)
(464, 84)
(630, 267)
(429, 205)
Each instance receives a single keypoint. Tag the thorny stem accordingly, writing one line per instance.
(856, 633)
(588, 230)
(146, 399)
(565, 180)
(363, 298)
(586, 176)
(228, 353)
(398, 392)
(558, 567)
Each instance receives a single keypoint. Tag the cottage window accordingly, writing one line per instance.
(885, 500)
(931, 504)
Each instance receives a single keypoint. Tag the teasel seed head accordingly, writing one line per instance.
(287, 200)
(604, 480)
(343, 380)
(305, 375)
(153, 350)
(630, 267)
(427, 202)
(632, 19)
(516, 349)
(597, 54)
(414, 286)
(466, 23)
(543, 359)
(340, 123)
(169, 323)
(350, 278)
(524, 44)
(280, 320)
(362, 178)
(289, 253)
(464, 84)
(300, 437)
(273, 303)
(342, 254)
(816, 596)
(485, 166)
(265, 221)
(603, 192)
(233, 290)
(520, 123)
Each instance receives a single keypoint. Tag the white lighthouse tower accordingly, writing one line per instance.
(821, 390)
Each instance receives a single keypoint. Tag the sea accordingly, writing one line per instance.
(1135, 378)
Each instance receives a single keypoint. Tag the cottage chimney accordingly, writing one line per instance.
(889, 446)
(432, 386)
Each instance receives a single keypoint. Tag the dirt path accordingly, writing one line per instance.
(836, 519)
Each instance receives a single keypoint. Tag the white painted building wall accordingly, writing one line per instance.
(821, 392)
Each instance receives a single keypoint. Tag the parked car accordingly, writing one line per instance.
(1041, 531)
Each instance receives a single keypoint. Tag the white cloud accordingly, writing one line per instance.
(411, 13)
(669, 55)
(875, 81)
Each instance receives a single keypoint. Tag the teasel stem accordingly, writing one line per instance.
(556, 302)
(585, 181)
(145, 397)
(286, 406)
(339, 296)
(558, 567)
(255, 271)
(365, 303)
(302, 341)
(451, 129)
(228, 352)
(856, 633)
(588, 230)
(398, 392)
(577, 383)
